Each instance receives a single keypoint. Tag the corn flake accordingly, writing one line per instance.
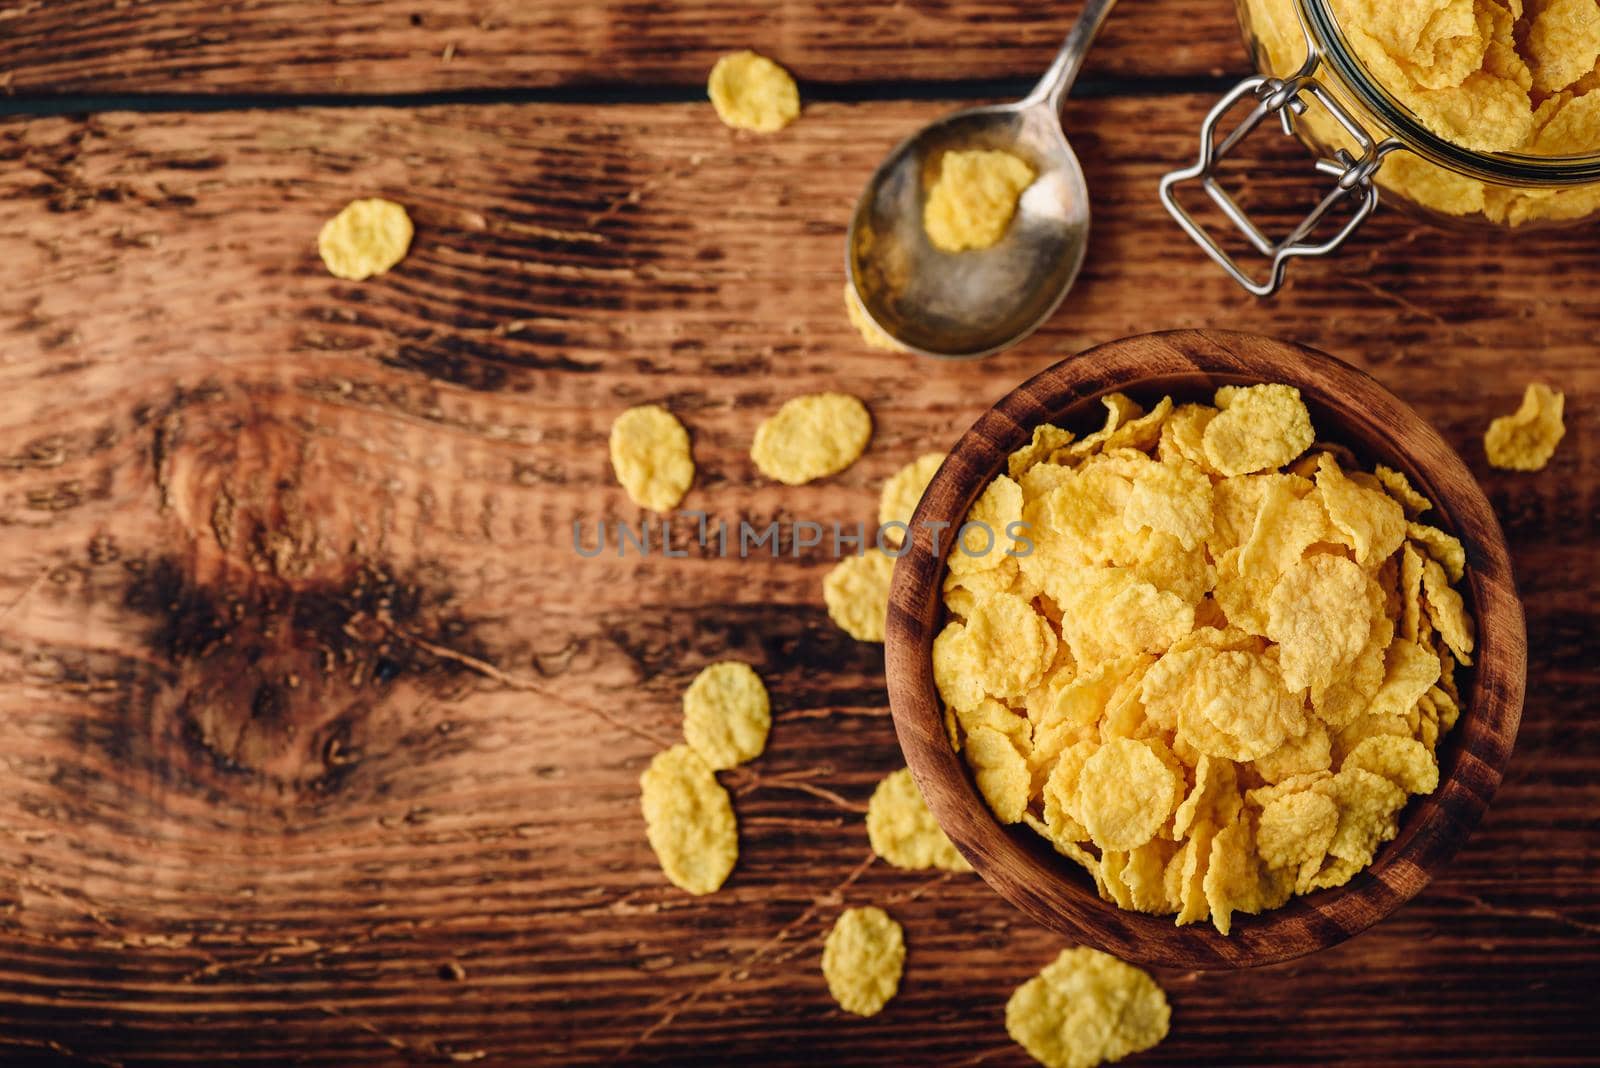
(811, 437)
(971, 203)
(1404, 761)
(903, 492)
(688, 820)
(1087, 1008)
(903, 831)
(856, 591)
(367, 238)
(751, 92)
(650, 456)
(1259, 427)
(1126, 791)
(862, 960)
(726, 714)
(1319, 615)
(1526, 439)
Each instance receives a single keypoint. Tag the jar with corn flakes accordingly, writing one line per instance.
(1482, 112)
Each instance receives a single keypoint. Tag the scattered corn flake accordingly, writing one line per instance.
(811, 437)
(1404, 761)
(751, 92)
(726, 714)
(367, 238)
(1126, 791)
(873, 334)
(1447, 611)
(1087, 1008)
(1401, 490)
(902, 830)
(688, 820)
(862, 960)
(1443, 547)
(1319, 616)
(856, 591)
(1260, 427)
(974, 198)
(903, 492)
(1526, 439)
(650, 456)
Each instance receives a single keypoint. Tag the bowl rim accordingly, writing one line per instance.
(1023, 868)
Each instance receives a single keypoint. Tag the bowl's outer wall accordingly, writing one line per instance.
(1347, 407)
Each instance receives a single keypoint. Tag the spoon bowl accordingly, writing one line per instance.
(969, 304)
(961, 305)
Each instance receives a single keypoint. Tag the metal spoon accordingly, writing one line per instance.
(969, 304)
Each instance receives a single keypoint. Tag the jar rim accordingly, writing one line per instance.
(1326, 39)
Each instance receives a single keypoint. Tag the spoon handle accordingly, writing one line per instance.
(1057, 81)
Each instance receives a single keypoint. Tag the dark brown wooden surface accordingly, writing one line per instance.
(1348, 407)
(321, 744)
(382, 46)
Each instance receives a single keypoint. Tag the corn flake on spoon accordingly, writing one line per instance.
(974, 303)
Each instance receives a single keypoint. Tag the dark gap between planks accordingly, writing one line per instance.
(813, 92)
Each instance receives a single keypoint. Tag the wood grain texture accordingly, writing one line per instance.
(321, 744)
(1347, 407)
(312, 46)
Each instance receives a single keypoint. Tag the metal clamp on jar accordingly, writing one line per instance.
(1313, 83)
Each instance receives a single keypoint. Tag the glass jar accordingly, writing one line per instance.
(1312, 82)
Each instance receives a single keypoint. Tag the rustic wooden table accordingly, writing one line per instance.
(321, 744)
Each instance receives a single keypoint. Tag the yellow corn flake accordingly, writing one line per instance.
(1171, 498)
(985, 537)
(811, 437)
(367, 238)
(1259, 427)
(1011, 643)
(903, 492)
(1125, 793)
(688, 820)
(1079, 704)
(1240, 708)
(996, 716)
(726, 714)
(650, 456)
(1060, 793)
(1368, 809)
(750, 92)
(1001, 772)
(1111, 612)
(1183, 436)
(1235, 880)
(1213, 799)
(902, 830)
(1290, 520)
(1404, 761)
(1442, 547)
(1141, 875)
(1409, 671)
(1371, 519)
(1045, 441)
(870, 332)
(1526, 439)
(1318, 614)
(1087, 1008)
(1309, 753)
(856, 591)
(1447, 611)
(1295, 831)
(971, 203)
(862, 960)
(1562, 42)
(955, 668)
(1401, 490)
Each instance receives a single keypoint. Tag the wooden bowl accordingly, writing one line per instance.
(1346, 406)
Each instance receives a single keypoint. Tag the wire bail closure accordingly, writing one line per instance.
(1285, 99)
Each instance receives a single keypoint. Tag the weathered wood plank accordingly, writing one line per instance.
(306, 695)
(310, 46)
